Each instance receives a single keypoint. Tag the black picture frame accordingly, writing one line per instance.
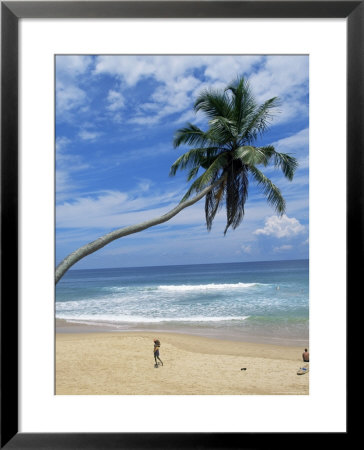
(11, 12)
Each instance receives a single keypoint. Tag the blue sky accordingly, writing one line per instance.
(116, 116)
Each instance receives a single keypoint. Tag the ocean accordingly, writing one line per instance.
(251, 301)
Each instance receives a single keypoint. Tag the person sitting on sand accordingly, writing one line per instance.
(306, 356)
(157, 344)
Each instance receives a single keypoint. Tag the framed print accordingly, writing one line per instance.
(95, 95)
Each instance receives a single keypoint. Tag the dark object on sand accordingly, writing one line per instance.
(303, 370)
(243, 368)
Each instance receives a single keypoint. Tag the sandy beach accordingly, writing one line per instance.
(121, 363)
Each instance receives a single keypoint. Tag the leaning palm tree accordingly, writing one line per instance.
(226, 155)
(221, 163)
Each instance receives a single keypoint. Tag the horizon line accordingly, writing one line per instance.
(193, 264)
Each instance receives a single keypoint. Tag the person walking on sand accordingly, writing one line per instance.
(157, 344)
(306, 356)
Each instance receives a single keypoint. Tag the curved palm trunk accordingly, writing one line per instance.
(93, 246)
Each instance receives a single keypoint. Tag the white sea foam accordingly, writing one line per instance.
(184, 287)
(140, 319)
(203, 287)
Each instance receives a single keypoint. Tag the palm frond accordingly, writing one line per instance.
(287, 163)
(214, 104)
(251, 156)
(270, 190)
(213, 203)
(259, 120)
(193, 173)
(223, 130)
(268, 151)
(263, 155)
(196, 186)
(210, 175)
(236, 197)
(193, 157)
(244, 102)
(191, 135)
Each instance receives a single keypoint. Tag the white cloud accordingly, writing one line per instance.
(164, 69)
(227, 68)
(281, 227)
(69, 95)
(62, 175)
(282, 248)
(293, 142)
(72, 65)
(62, 182)
(61, 144)
(178, 84)
(67, 163)
(178, 80)
(131, 69)
(86, 135)
(144, 185)
(116, 100)
(246, 249)
(110, 209)
(168, 98)
(280, 74)
(285, 77)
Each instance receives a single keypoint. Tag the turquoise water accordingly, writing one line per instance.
(266, 301)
